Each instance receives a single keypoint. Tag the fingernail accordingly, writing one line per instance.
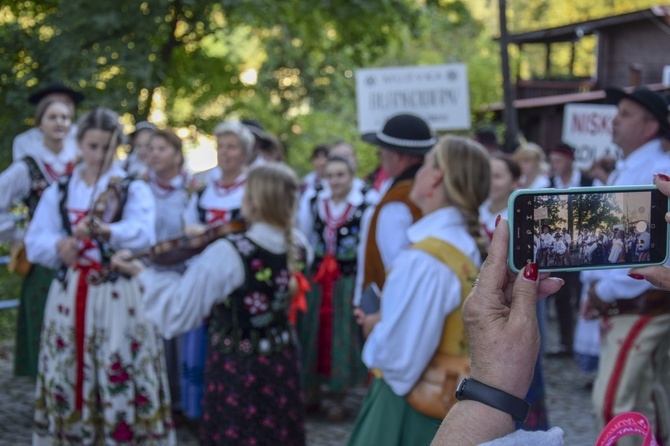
(530, 272)
(636, 276)
(498, 219)
(663, 177)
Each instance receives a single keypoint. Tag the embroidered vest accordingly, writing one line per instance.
(453, 340)
(38, 183)
(346, 239)
(235, 214)
(254, 318)
(374, 267)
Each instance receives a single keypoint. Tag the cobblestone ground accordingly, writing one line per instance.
(568, 401)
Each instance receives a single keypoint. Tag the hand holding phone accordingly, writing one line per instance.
(588, 228)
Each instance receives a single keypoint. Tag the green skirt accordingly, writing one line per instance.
(387, 419)
(30, 318)
(347, 369)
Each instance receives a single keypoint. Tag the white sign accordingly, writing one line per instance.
(588, 128)
(437, 93)
(540, 213)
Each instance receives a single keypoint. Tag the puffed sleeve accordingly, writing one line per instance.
(137, 228)
(45, 229)
(178, 303)
(14, 184)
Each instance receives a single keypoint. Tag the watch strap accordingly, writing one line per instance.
(473, 390)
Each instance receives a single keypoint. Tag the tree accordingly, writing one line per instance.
(194, 55)
(596, 211)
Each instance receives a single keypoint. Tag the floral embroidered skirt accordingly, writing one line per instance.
(30, 316)
(253, 400)
(332, 356)
(101, 376)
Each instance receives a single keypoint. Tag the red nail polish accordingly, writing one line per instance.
(498, 219)
(663, 177)
(530, 272)
(636, 276)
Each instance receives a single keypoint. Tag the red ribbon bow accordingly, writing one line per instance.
(299, 300)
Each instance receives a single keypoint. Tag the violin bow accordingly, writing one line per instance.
(103, 168)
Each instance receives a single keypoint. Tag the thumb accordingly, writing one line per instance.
(524, 293)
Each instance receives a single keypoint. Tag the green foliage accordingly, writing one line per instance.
(555, 204)
(597, 211)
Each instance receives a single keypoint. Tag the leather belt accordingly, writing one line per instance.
(652, 302)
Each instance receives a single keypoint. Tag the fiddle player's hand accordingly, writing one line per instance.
(68, 250)
(100, 228)
(501, 322)
(121, 261)
(82, 229)
(194, 230)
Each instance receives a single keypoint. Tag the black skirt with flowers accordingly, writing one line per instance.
(252, 392)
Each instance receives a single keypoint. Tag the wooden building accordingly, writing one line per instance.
(632, 50)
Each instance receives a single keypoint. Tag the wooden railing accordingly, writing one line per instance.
(537, 88)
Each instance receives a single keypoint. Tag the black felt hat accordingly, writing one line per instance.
(36, 97)
(404, 133)
(652, 101)
(259, 132)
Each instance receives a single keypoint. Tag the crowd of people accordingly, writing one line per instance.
(239, 299)
(591, 247)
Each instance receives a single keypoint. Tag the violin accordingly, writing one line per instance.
(180, 249)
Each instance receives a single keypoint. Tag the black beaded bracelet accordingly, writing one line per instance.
(470, 389)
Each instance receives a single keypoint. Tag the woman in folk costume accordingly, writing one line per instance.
(242, 284)
(533, 163)
(25, 180)
(328, 331)
(505, 174)
(136, 163)
(172, 189)
(219, 202)
(101, 373)
(422, 297)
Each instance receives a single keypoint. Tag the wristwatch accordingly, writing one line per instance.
(470, 389)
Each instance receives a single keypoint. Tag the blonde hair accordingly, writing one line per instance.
(272, 189)
(44, 104)
(530, 150)
(467, 175)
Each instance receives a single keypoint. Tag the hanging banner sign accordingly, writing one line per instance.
(437, 93)
(588, 128)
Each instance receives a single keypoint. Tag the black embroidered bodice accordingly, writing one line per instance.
(254, 318)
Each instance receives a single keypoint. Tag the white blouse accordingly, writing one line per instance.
(135, 230)
(15, 182)
(178, 303)
(419, 293)
(217, 200)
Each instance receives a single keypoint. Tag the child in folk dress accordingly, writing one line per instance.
(252, 374)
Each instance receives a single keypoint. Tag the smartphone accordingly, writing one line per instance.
(588, 228)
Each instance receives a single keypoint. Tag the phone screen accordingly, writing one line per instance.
(589, 229)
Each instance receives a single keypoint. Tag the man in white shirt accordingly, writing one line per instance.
(404, 140)
(634, 373)
(25, 143)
